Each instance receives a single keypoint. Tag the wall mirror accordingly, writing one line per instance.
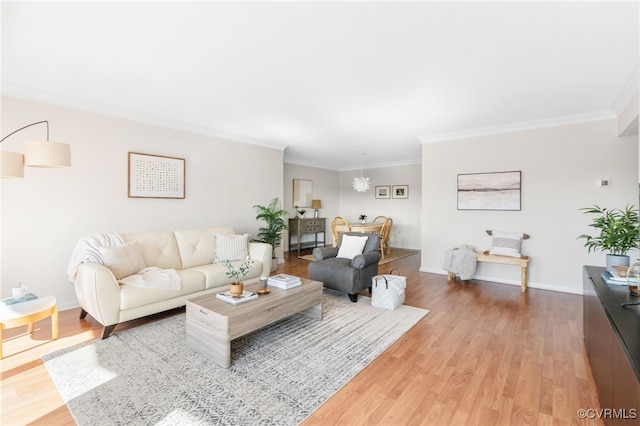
(302, 193)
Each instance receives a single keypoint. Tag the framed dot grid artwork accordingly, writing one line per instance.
(155, 176)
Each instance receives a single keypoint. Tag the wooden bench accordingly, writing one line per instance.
(522, 262)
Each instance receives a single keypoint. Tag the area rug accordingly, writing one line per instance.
(396, 253)
(279, 374)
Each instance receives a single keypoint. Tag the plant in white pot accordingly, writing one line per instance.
(618, 233)
(273, 215)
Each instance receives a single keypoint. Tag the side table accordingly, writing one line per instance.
(27, 313)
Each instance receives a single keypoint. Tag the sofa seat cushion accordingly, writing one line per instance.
(216, 276)
(333, 270)
(133, 297)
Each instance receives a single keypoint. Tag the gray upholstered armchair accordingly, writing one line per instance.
(348, 275)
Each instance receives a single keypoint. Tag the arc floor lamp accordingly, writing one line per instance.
(36, 154)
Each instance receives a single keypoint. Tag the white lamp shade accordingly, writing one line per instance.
(47, 154)
(11, 164)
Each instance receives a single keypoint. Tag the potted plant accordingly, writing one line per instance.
(302, 212)
(273, 215)
(618, 233)
(237, 288)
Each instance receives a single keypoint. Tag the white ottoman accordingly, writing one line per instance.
(26, 313)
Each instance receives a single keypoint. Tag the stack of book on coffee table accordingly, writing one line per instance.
(284, 281)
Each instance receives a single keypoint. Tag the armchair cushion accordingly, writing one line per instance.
(351, 245)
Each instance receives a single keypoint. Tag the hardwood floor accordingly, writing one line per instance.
(485, 355)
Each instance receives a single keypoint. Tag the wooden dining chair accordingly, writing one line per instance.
(379, 219)
(384, 236)
(339, 226)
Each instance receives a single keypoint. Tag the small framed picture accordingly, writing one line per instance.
(400, 191)
(383, 191)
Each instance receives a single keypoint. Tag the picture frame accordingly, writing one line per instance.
(155, 176)
(400, 191)
(302, 193)
(383, 191)
(490, 191)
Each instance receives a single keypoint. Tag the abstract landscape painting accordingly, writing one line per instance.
(489, 191)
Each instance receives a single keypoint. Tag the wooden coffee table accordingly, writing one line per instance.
(212, 324)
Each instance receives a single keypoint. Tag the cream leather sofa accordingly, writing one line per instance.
(189, 252)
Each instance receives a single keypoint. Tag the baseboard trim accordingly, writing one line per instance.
(499, 280)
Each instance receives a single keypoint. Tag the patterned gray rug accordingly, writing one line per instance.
(279, 375)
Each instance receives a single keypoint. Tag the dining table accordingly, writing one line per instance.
(368, 227)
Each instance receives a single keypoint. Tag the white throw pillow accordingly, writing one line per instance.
(230, 247)
(506, 243)
(351, 245)
(123, 260)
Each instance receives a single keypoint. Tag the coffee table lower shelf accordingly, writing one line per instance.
(212, 324)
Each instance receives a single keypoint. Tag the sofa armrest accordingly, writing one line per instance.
(321, 253)
(361, 261)
(98, 293)
(262, 252)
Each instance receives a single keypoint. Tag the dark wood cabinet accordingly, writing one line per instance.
(300, 227)
(612, 341)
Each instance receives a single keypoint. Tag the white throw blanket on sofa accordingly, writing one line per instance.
(87, 250)
(154, 277)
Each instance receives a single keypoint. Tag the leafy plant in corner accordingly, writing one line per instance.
(618, 230)
(273, 215)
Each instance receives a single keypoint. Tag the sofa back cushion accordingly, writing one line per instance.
(158, 248)
(123, 260)
(196, 245)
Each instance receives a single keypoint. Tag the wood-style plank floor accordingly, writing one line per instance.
(485, 355)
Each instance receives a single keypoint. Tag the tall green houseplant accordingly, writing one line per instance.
(618, 232)
(273, 215)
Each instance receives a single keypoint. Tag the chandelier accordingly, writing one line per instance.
(361, 184)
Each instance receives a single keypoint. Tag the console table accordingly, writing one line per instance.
(300, 227)
(612, 341)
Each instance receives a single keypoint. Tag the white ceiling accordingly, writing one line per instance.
(326, 80)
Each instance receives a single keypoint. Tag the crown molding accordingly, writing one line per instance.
(382, 165)
(350, 168)
(518, 127)
(33, 95)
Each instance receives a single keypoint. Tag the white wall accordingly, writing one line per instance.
(560, 167)
(44, 214)
(325, 189)
(405, 232)
(340, 199)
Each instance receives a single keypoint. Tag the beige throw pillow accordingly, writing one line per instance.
(230, 247)
(506, 243)
(123, 260)
(351, 245)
